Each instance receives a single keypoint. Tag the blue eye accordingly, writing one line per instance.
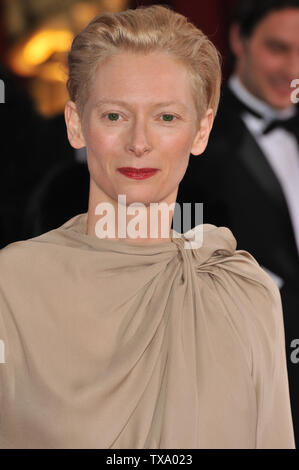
(169, 116)
(114, 116)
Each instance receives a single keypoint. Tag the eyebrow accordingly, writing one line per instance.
(156, 105)
(278, 43)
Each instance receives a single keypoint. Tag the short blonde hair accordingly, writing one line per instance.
(144, 30)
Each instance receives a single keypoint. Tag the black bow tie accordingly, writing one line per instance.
(290, 125)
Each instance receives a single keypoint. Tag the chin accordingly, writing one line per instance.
(279, 102)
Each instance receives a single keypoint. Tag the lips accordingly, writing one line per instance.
(138, 173)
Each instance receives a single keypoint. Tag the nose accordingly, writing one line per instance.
(138, 139)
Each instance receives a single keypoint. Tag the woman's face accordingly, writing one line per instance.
(140, 114)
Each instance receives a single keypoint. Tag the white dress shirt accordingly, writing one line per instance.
(279, 146)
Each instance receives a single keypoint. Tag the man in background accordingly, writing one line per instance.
(248, 178)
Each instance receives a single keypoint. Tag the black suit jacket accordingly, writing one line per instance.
(240, 191)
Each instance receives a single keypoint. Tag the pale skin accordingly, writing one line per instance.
(268, 61)
(136, 133)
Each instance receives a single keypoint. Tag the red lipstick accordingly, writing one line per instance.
(138, 173)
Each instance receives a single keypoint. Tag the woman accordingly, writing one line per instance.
(149, 342)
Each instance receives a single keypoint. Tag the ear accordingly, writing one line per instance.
(202, 136)
(73, 124)
(236, 41)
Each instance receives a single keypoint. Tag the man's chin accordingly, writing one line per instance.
(280, 100)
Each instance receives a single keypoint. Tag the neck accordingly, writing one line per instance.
(117, 220)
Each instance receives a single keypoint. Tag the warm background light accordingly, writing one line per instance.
(39, 47)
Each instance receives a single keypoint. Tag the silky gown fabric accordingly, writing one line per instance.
(114, 345)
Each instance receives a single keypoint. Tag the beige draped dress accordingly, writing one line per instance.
(114, 345)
